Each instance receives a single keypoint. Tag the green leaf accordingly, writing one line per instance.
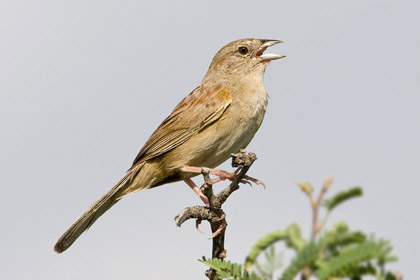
(343, 196)
(304, 258)
(391, 276)
(339, 236)
(272, 263)
(228, 270)
(295, 240)
(351, 258)
(291, 235)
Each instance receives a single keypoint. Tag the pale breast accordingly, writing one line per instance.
(232, 132)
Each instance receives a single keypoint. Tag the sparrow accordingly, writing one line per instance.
(218, 118)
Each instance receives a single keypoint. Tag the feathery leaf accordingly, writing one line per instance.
(343, 196)
(291, 235)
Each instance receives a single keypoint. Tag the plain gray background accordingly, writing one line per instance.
(83, 84)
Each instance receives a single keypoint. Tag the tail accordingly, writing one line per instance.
(95, 211)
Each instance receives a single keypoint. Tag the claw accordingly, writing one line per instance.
(222, 217)
(197, 226)
(243, 181)
(222, 175)
(222, 226)
(256, 181)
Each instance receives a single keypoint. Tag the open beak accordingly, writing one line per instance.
(268, 56)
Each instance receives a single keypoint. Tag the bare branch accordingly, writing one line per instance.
(214, 214)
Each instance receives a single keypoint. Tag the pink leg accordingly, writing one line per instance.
(223, 175)
(222, 226)
(194, 187)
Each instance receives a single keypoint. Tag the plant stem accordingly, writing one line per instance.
(316, 227)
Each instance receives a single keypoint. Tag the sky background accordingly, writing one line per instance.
(83, 84)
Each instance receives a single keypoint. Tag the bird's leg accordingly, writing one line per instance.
(222, 175)
(194, 187)
(205, 199)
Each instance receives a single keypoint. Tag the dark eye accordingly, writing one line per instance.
(243, 50)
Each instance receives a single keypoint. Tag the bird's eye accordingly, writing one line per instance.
(243, 50)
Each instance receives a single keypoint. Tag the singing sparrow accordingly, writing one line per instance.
(218, 118)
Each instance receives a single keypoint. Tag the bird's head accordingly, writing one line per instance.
(244, 56)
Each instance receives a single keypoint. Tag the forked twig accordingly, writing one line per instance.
(214, 214)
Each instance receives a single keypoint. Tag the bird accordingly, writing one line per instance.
(218, 118)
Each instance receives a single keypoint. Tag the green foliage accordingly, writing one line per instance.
(343, 196)
(338, 236)
(304, 258)
(273, 263)
(291, 236)
(354, 260)
(336, 252)
(228, 270)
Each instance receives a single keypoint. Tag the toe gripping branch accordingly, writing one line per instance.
(214, 214)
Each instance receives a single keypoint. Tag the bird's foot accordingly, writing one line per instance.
(223, 175)
(222, 227)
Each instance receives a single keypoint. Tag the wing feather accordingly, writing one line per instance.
(194, 113)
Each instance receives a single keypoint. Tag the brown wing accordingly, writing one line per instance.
(194, 113)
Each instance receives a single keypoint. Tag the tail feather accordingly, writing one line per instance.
(95, 211)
